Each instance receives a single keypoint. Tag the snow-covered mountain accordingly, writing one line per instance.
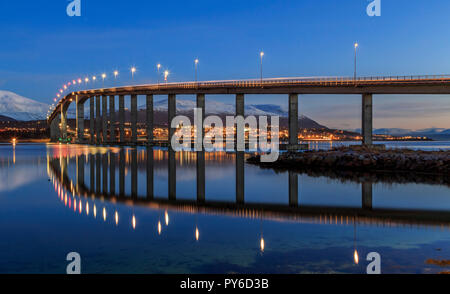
(21, 108)
(215, 107)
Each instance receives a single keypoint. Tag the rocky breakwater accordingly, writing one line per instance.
(361, 158)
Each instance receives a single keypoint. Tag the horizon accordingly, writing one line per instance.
(299, 38)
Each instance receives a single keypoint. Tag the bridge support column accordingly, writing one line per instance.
(112, 173)
(63, 123)
(91, 120)
(367, 119)
(149, 114)
(54, 129)
(172, 175)
(134, 174)
(80, 120)
(121, 119)
(104, 119)
(293, 122)
(134, 115)
(172, 111)
(112, 119)
(200, 133)
(201, 176)
(367, 192)
(293, 189)
(150, 176)
(97, 120)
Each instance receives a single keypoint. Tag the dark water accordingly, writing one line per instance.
(58, 199)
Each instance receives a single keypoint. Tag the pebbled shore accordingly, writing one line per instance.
(360, 158)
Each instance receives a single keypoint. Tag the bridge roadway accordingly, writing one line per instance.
(98, 188)
(101, 115)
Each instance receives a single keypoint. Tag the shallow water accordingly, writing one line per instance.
(57, 199)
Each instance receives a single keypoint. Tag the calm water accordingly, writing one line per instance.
(139, 211)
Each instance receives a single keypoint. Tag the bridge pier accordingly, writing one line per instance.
(80, 120)
(121, 119)
(367, 119)
(112, 119)
(55, 129)
(134, 117)
(200, 133)
(63, 123)
(172, 112)
(97, 120)
(293, 122)
(104, 119)
(149, 115)
(91, 120)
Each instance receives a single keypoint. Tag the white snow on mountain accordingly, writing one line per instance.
(21, 108)
(215, 107)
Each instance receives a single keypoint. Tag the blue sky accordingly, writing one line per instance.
(42, 48)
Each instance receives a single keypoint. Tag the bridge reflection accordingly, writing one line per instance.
(104, 163)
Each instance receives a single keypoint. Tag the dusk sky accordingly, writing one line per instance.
(43, 48)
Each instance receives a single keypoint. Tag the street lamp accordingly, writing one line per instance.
(116, 73)
(261, 54)
(356, 47)
(103, 79)
(166, 74)
(196, 68)
(133, 70)
(158, 66)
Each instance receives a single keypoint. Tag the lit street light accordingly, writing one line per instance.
(196, 68)
(103, 78)
(261, 55)
(158, 66)
(133, 70)
(356, 47)
(166, 74)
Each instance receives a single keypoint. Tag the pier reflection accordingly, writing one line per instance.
(104, 163)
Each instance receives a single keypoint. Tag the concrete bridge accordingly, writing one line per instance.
(101, 184)
(103, 121)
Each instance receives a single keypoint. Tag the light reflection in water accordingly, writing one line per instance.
(95, 211)
(104, 214)
(159, 228)
(133, 221)
(197, 234)
(116, 217)
(166, 217)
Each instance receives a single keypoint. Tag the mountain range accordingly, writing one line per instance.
(20, 108)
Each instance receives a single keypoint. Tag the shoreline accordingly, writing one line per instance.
(364, 159)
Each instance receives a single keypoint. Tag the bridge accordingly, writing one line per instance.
(103, 117)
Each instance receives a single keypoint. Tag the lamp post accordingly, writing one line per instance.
(196, 68)
(116, 73)
(356, 47)
(166, 74)
(103, 79)
(158, 67)
(133, 70)
(261, 54)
